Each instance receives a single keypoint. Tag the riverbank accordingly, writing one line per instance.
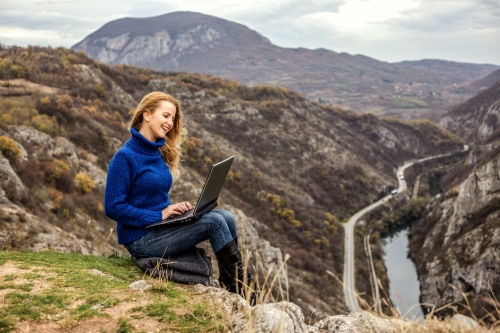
(395, 215)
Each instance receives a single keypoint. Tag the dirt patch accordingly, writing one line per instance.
(9, 268)
(23, 87)
(12, 268)
(28, 326)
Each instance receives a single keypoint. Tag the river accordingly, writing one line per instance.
(404, 285)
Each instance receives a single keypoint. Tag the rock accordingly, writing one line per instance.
(140, 285)
(95, 75)
(271, 317)
(94, 172)
(462, 240)
(96, 272)
(9, 178)
(32, 233)
(58, 147)
(460, 321)
(24, 153)
(358, 322)
(230, 303)
(270, 257)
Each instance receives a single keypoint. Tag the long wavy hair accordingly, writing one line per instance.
(171, 150)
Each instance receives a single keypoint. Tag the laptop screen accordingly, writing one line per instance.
(214, 183)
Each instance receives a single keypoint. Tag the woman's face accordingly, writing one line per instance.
(157, 124)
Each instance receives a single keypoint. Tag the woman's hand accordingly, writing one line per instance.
(176, 209)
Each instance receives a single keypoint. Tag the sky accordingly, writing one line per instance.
(387, 30)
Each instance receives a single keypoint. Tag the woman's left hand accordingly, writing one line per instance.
(182, 207)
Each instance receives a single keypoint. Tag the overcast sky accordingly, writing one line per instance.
(389, 30)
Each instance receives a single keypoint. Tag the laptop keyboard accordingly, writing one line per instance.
(186, 213)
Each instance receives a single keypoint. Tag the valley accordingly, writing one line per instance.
(293, 157)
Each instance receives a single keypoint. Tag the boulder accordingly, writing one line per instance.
(230, 303)
(140, 285)
(271, 317)
(358, 322)
(460, 321)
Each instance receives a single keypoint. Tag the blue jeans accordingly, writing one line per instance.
(219, 226)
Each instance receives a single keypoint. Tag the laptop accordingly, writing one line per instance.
(208, 197)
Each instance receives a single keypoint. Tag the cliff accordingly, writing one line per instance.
(456, 243)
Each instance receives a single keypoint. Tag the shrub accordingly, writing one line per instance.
(84, 182)
(61, 165)
(45, 124)
(99, 90)
(9, 148)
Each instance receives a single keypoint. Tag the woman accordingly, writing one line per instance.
(139, 179)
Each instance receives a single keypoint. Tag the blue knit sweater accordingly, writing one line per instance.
(137, 187)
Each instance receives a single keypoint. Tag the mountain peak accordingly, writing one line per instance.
(174, 35)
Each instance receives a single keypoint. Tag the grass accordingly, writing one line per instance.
(54, 287)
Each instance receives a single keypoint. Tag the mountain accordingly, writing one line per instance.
(487, 81)
(193, 42)
(456, 244)
(300, 168)
(476, 119)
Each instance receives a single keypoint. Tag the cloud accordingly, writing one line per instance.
(391, 30)
(439, 16)
(24, 37)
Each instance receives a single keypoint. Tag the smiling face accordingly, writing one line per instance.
(157, 124)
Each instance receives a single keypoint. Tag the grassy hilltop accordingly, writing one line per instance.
(57, 291)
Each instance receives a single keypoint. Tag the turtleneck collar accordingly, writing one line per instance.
(142, 145)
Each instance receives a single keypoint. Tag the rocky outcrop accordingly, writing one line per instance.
(258, 251)
(288, 317)
(456, 246)
(43, 144)
(90, 74)
(9, 178)
(25, 231)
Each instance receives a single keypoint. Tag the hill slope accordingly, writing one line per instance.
(300, 167)
(193, 42)
(476, 119)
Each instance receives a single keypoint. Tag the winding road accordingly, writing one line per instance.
(349, 278)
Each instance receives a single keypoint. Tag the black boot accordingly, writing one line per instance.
(224, 278)
(232, 273)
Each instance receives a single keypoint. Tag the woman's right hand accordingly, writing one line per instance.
(176, 209)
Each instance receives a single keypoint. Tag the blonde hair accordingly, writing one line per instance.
(171, 150)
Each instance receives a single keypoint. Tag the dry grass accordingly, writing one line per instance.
(434, 321)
